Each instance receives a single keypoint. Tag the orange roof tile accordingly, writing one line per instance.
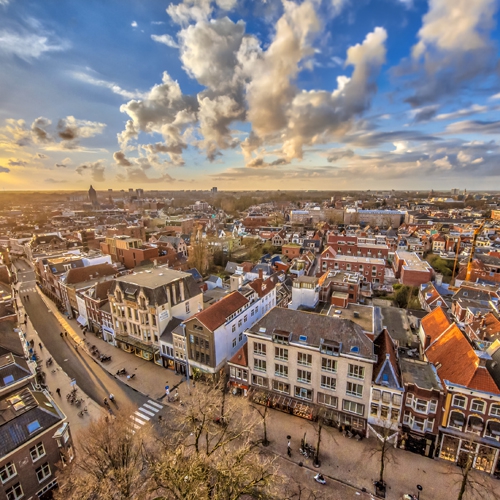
(241, 356)
(457, 362)
(435, 323)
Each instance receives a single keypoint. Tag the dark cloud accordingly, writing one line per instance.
(96, 170)
(475, 127)
(17, 163)
(121, 159)
(61, 165)
(4, 170)
(425, 114)
(338, 154)
(374, 139)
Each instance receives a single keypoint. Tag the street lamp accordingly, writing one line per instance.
(419, 488)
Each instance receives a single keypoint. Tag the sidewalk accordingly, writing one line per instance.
(354, 464)
(150, 379)
(55, 378)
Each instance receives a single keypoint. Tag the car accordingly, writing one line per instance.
(338, 311)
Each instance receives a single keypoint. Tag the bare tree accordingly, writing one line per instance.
(109, 463)
(200, 459)
(263, 415)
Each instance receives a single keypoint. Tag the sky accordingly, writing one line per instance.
(249, 94)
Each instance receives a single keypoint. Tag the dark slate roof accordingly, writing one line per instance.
(315, 327)
(14, 423)
(15, 366)
(195, 274)
(9, 339)
(231, 267)
(166, 335)
(154, 282)
(83, 274)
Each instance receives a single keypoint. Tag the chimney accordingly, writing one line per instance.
(261, 273)
(427, 342)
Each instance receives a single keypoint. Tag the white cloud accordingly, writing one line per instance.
(197, 10)
(166, 40)
(115, 88)
(29, 46)
(133, 24)
(471, 110)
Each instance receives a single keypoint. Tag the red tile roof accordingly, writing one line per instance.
(435, 323)
(241, 356)
(217, 314)
(457, 362)
(262, 287)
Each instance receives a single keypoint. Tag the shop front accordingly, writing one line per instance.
(108, 334)
(284, 403)
(460, 451)
(141, 350)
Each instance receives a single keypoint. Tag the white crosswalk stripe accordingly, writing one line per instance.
(154, 403)
(144, 414)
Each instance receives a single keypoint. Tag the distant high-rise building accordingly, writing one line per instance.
(455, 191)
(131, 190)
(214, 190)
(140, 193)
(93, 197)
(110, 190)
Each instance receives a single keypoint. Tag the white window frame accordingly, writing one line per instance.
(352, 392)
(257, 348)
(281, 353)
(332, 385)
(356, 371)
(281, 370)
(12, 494)
(43, 470)
(329, 361)
(260, 365)
(495, 410)
(300, 378)
(301, 362)
(35, 450)
(455, 397)
(474, 402)
(9, 470)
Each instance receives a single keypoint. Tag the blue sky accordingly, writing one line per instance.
(314, 94)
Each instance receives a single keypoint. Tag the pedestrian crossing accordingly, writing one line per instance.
(26, 290)
(144, 414)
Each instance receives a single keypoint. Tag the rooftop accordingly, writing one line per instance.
(153, 278)
(361, 315)
(398, 325)
(419, 373)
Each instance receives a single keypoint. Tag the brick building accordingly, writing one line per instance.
(411, 269)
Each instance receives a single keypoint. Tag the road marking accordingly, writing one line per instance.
(147, 412)
(156, 410)
(141, 415)
(154, 403)
(136, 427)
(137, 420)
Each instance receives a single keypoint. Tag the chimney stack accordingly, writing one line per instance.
(261, 273)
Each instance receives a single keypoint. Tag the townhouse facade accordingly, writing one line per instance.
(372, 269)
(143, 303)
(308, 364)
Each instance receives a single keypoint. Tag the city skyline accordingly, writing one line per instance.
(242, 95)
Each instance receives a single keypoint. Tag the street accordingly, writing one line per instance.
(90, 377)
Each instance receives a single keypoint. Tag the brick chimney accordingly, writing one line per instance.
(427, 342)
(261, 273)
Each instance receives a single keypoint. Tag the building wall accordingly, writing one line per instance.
(135, 256)
(412, 277)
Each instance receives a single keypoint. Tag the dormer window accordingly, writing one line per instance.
(331, 349)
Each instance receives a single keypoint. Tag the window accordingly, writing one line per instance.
(279, 386)
(207, 359)
(233, 328)
(433, 406)
(245, 318)
(240, 337)
(281, 370)
(37, 452)
(302, 393)
(420, 405)
(386, 397)
(352, 407)
(329, 365)
(354, 389)
(7, 472)
(260, 381)
(376, 395)
(43, 472)
(395, 415)
(187, 307)
(459, 401)
(374, 410)
(418, 424)
(234, 342)
(259, 365)
(356, 371)
(396, 399)
(384, 411)
(259, 348)
(429, 424)
(304, 359)
(239, 323)
(33, 426)
(281, 353)
(495, 410)
(14, 492)
(304, 376)
(477, 405)
(328, 382)
(328, 400)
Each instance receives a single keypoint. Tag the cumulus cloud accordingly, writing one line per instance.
(197, 10)
(4, 170)
(17, 163)
(133, 24)
(166, 40)
(96, 170)
(338, 154)
(71, 130)
(121, 160)
(139, 176)
(453, 48)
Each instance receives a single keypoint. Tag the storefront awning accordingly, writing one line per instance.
(136, 343)
(457, 418)
(494, 427)
(82, 320)
(476, 423)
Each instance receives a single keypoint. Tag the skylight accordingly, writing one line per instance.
(34, 426)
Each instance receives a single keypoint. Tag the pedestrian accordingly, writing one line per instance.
(40, 346)
(289, 450)
(61, 334)
(65, 333)
(84, 332)
(58, 392)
